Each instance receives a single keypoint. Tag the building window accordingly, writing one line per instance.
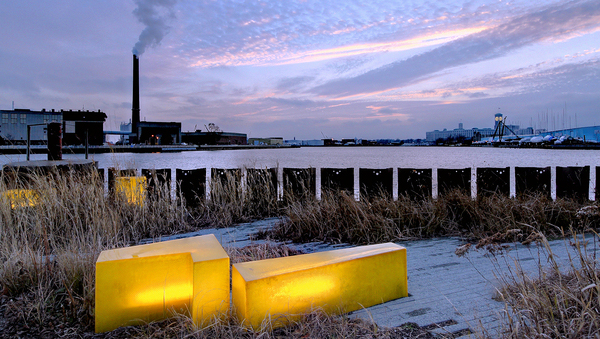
(46, 118)
(5, 118)
(69, 126)
(13, 118)
(23, 118)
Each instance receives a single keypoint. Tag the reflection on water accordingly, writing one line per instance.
(342, 157)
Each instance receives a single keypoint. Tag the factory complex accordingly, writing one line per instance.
(23, 126)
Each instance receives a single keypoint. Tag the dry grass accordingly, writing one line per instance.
(231, 202)
(315, 324)
(259, 252)
(48, 251)
(338, 218)
(562, 302)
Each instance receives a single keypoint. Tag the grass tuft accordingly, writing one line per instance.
(338, 218)
(562, 302)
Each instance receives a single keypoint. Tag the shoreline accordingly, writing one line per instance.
(42, 149)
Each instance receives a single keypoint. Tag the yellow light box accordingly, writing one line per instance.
(139, 284)
(337, 281)
(21, 197)
(133, 189)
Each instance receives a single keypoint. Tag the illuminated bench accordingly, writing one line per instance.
(21, 197)
(139, 284)
(337, 281)
(133, 189)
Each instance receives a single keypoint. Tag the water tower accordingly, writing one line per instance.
(497, 119)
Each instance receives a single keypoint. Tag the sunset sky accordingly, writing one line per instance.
(308, 69)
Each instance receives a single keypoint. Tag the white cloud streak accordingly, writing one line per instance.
(558, 22)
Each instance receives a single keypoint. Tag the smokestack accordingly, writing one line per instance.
(135, 104)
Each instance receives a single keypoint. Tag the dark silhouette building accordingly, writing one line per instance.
(159, 133)
(75, 126)
(214, 138)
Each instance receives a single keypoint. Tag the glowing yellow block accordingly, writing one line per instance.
(337, 281)
(21, 198)
(132, 188)
(150, 282)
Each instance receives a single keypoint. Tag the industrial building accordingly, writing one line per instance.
(77, 123)
(476, 134)
(313, 142)
(473, 133)
(76, 126)
(149, 132)
(159, 133)
(266, 141)
(214, 138)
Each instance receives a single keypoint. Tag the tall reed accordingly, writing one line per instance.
(48, 251)
(560, 302)
(339, 218)
(234, 199)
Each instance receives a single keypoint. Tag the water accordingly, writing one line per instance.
(366, 157)
(344, 157)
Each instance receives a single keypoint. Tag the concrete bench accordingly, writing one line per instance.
(139, 284)
(337, 281)
(132, 189)
(20, 198)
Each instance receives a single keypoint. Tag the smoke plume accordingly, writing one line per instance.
(154, 14)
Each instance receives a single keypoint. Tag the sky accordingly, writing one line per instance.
(308, 69)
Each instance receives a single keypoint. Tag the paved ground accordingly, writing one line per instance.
(447, 293)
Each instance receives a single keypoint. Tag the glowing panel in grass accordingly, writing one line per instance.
(150, 282)
(20, 198)
(133, 189)
(337, 281)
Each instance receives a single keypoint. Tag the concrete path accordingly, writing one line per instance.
(448, 294)
(457, 292)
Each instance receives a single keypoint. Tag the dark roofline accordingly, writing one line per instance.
(160, 122)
